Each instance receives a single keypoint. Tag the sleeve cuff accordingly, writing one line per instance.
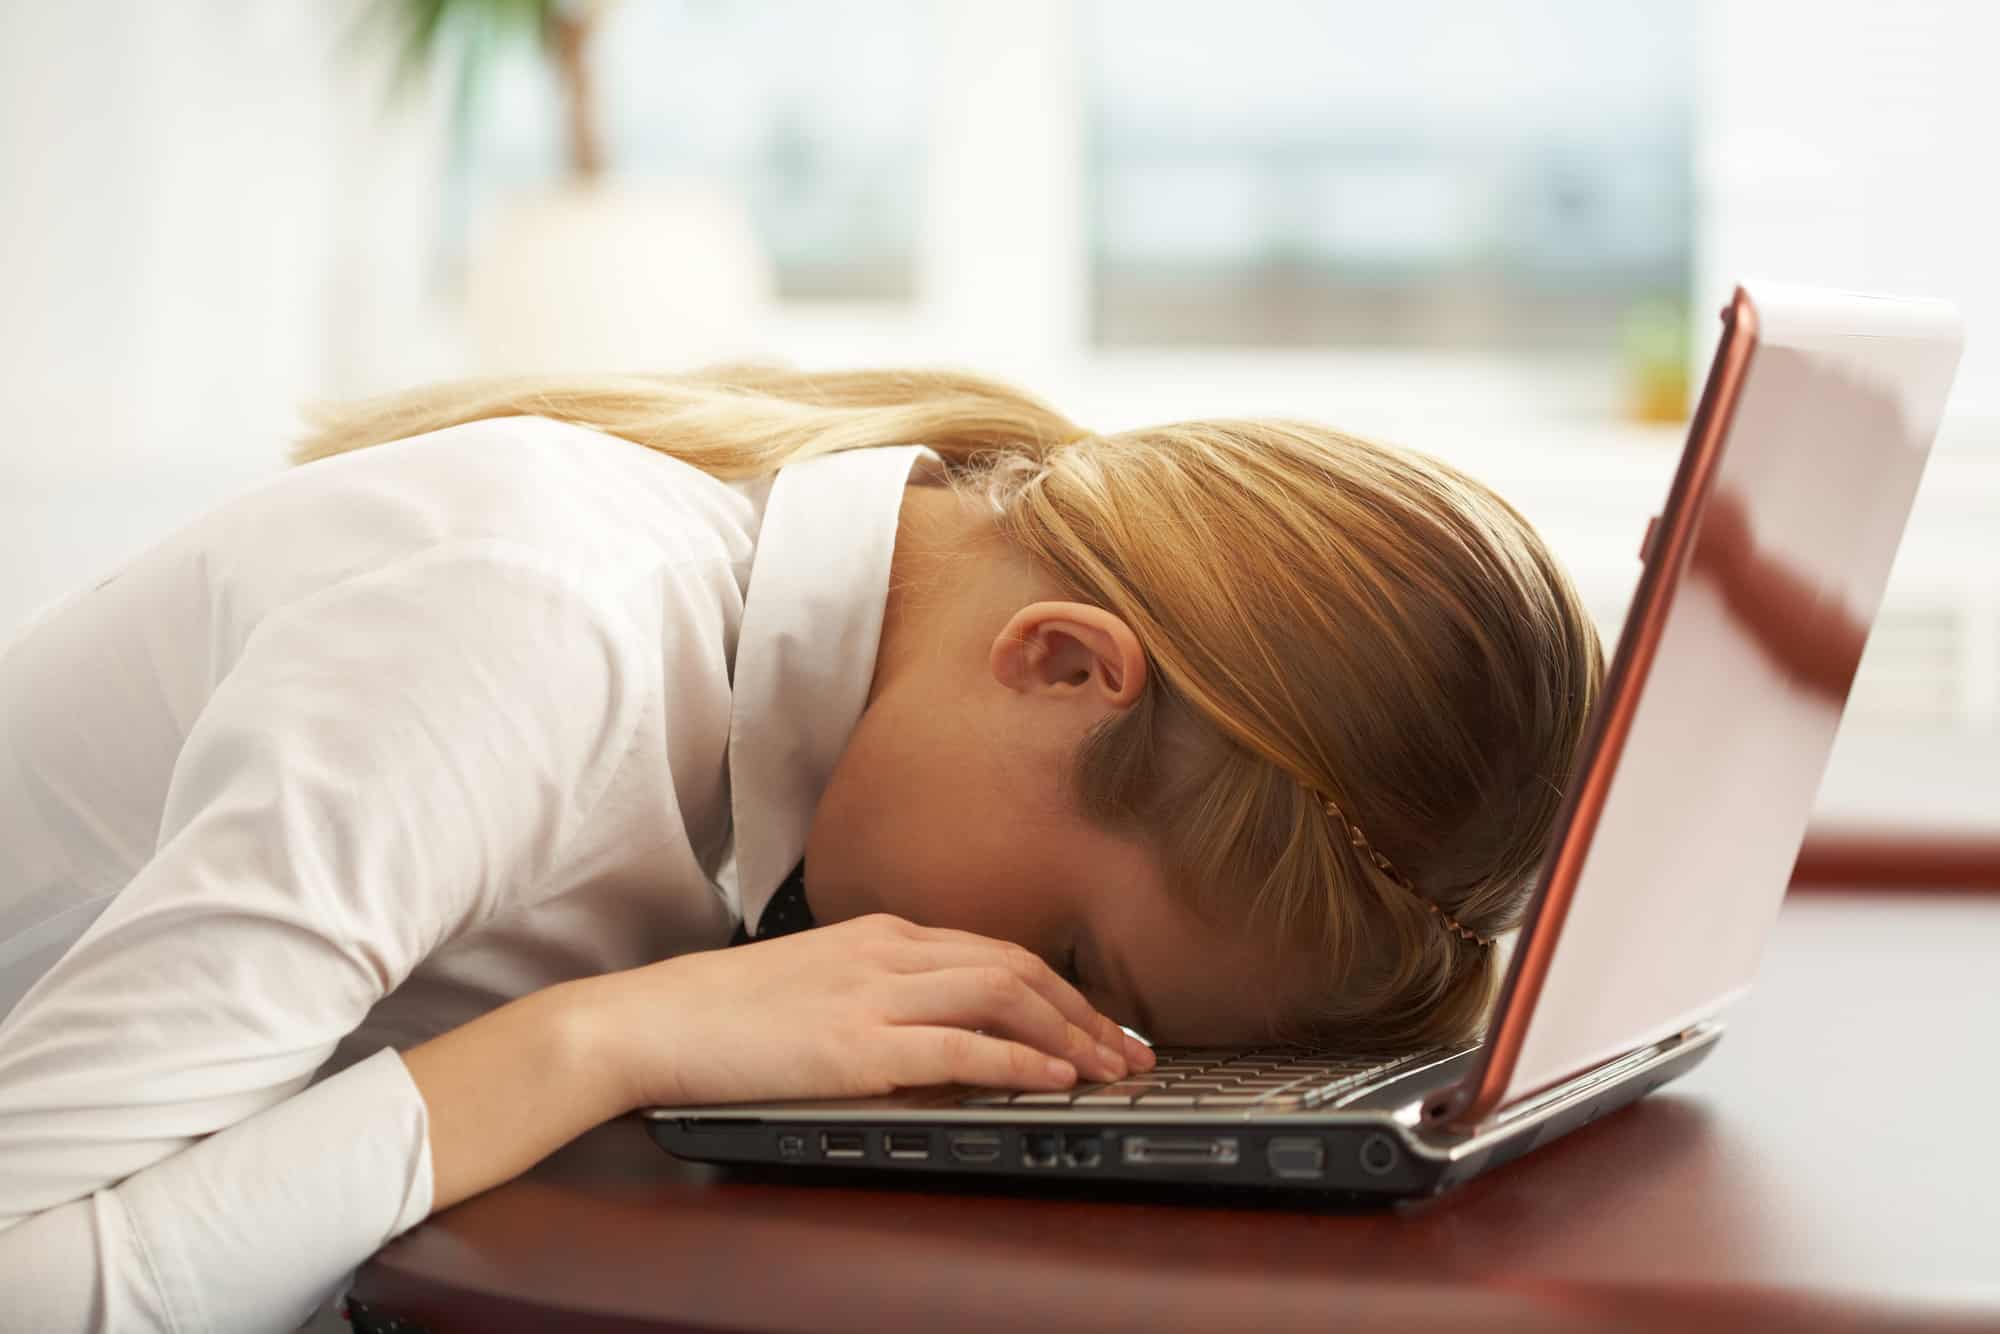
(256, 1225)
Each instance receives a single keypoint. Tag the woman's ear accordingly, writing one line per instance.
(1070, 648)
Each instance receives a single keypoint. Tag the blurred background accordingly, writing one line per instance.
(1497, 233)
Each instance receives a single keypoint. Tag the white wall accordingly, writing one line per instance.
(1852, 144)
(204, 220)
(169, 227)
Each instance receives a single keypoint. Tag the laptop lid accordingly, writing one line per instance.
(1762, 576)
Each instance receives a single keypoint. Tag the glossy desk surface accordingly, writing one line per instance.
(1835, 1164)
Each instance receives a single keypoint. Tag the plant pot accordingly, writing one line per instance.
(610, 276)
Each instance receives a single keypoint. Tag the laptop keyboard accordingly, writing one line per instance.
(1267, 1078)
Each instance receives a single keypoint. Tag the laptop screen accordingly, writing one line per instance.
(1764, 574)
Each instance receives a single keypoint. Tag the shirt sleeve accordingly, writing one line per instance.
(387, 764)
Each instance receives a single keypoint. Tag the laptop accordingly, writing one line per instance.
(1761, 578)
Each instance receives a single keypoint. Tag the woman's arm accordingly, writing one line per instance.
(386, 765)
(511, 1087)
(247, 1229)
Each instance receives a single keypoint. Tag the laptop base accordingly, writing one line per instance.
(1371, 1152)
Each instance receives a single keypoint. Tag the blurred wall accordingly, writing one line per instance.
(209, 217)
(206, 222)
(1852, 143)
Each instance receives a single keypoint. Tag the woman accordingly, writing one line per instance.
(432, 775)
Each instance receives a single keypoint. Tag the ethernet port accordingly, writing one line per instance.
(1081, 1150)
(1038, 1148)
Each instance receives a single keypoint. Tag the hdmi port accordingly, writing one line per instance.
(975, 1146)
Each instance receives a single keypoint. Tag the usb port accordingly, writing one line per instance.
(841, 1144)
(975, 1146)
(907, 1143)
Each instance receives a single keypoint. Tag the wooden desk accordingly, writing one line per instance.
(1834, 1165)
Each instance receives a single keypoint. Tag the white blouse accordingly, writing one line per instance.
(367, 751)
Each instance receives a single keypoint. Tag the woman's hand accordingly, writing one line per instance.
(851, 1009)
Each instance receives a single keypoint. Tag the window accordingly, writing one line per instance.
(1427, 174)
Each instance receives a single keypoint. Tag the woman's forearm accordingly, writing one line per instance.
(509, 1088)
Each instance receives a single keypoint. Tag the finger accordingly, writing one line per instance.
(1138, 1053)
(925, 1054)
(991, 996)
(939, 947)
(1075, 1006)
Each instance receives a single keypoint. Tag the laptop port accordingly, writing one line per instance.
(975, 1146)
(1379, 1154)
(1296, 1157)
(906, 1144)
(1081, 1150)
(1181, 1150)
(842, 1144)
(1038, 1148)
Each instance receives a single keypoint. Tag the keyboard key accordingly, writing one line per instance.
(1061, 1099)
(985, 1100)
(1126, 1089)
(1164, 1100)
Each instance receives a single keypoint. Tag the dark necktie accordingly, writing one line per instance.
(785, 913)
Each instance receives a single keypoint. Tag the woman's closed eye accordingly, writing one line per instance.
(1072, 973)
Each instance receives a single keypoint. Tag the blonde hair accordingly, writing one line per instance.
(1327, 619)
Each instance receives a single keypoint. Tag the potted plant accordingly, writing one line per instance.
(596, 271)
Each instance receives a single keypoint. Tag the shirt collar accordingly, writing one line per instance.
(805, 652)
